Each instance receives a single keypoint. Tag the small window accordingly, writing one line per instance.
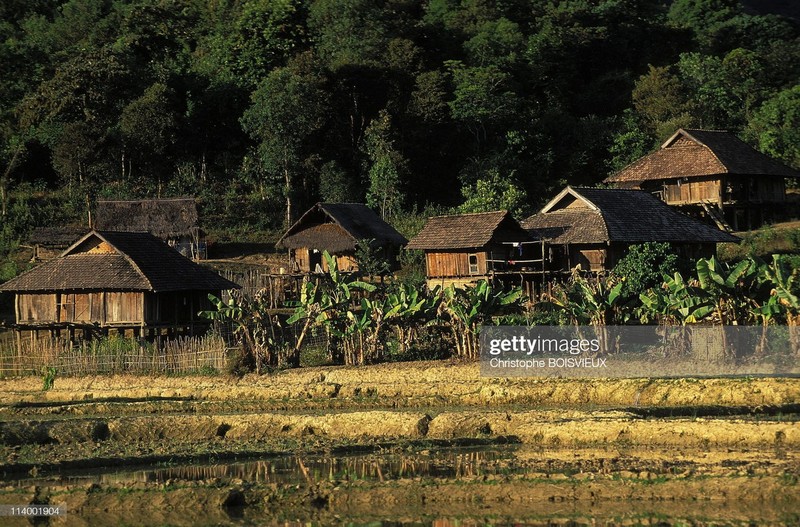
(473, 264)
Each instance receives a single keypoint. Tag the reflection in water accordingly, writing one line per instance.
(419, 470)
(448, 463)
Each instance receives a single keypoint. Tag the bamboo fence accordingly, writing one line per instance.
(112, 356)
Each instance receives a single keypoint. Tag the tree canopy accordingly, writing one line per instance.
(262, 107)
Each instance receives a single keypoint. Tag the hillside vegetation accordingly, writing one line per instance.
(262, 107)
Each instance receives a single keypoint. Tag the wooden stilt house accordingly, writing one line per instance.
(464, 248)
(712, 174)
(594, 228)
(337, 228)
(115, 281)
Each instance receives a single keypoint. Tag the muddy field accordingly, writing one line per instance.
(411, 443)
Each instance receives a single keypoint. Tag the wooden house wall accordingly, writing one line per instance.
(694, 251)
(33, 308)
(305, 261)
(453, 263)
(346, 262)
(754, 189)
(181, 307)
(124, 307)
(733, 189)
(94, 307)
(693, 191)
(591, 257)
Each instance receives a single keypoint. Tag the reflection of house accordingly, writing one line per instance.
(173, 220)
(49, 242)
(337, 228)
(712, 173)
(593, 228)
(465, 248)
(115, 280)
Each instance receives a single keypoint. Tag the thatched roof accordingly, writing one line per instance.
(337, 227)
(698, 153)
(468, 231)
(164, 218)
(59, 237)
(119, 261)
(590, 215)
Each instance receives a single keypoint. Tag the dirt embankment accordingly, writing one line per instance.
(417, 384)
(687, 448)
(132, 417)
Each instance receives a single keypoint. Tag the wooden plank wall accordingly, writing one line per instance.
(692, 191)
(590, 259)
(36, 308)
(453, 264)
(81, 307)
(124, 307)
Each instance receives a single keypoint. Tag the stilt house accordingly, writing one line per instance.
(173, 220)
(713, 174)
(594, 228)
(337, 228)
(120, 281)
(464, 248)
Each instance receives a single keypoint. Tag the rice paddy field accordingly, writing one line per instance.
(421, 443)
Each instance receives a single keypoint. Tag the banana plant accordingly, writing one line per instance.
(255, 327)
(675, 302)
(471, 307)
(407, 309)
(784, 286)
(733, 288)
(330, 305)
(594, 303)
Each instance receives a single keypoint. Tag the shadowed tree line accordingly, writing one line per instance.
(262, 107)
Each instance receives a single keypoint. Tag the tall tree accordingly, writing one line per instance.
(776, 126)
(288, 110)
(386, 167)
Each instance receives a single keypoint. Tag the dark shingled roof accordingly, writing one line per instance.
(590, 215)
(165, 218)
(336, 227)
(466, 231)
(697, 153)
(119, 261)
(56, 236)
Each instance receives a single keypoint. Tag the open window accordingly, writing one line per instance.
(473, 264)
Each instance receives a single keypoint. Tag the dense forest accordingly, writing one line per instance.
(262, 107)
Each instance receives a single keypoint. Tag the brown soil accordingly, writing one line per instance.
(417, 384)
(686, 448)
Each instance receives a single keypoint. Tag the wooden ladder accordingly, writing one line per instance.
(715, 213)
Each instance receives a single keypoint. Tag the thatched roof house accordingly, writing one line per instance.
(713, 172)
(337, 228)
(594, 227)
(121, 280)
(49, 242)
(174, 220)
(464, 248)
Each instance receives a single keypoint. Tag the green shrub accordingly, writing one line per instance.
(644, 267)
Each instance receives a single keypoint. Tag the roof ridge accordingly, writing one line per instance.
(720, 131)
(612, 189)
(468, 214)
